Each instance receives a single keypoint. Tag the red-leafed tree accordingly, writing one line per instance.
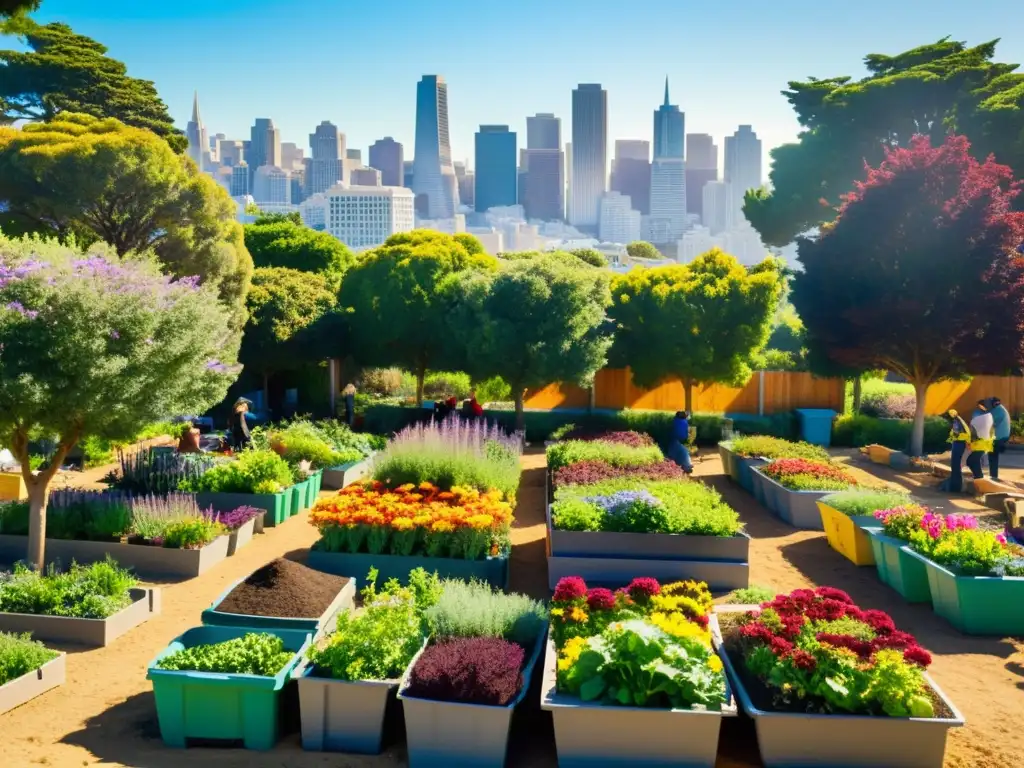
(921, 272)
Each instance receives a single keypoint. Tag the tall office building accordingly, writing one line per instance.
(589, 154)
(326, 142)
(631, 172)
(495, 165)
(326, 166)
(544, 131)
(272, 185)
(365, 177)
(742, 170)
(543, 194)
(620, 223)
(568, 178)
(291, 156)
(668, 174)
(387, 156)
(466, 181)
(701, 167)
(407, 171)
(230, 152)
(364, 216)
(240, 180)
(434, 183)
(715, 201)
(198, 140)
(264, 147)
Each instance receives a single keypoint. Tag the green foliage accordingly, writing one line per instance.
(447, 466)
(14, 518)
(470, 242)
(688, 508)
(66, 72)
(812, 483)
(778, 360)
(864, 503)
(965, 551)
(302, 440)
(618, 455)
(85, 592)
(252, 472)
(344, 440)
(255, 653)
(101, 180)
(762, 447)
(494, 389)
(440, 385)
(194, 533)
(475, 609)
(752, 595)
(89, 519)
(20, 654)
(293, 245)
(590, 256)
(641, 249)
(856, 431)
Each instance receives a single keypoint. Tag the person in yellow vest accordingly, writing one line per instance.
(982, 438)
(959, 437)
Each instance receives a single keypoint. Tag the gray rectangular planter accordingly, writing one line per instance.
(92, 632)
(798, 508)
(594, 735)
(738, 467)
(340, 715)
(788, 739)
(616, 572)
(32, 684)
(242, 536)
(337, 478)
(144, 560)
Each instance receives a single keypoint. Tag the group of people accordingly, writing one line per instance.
(986, 434)
(471, 408)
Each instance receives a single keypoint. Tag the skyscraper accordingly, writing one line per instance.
(715, 201)
(589, 154)
(326, 167)
(326, 142)
(388, 157)
(668, 174)
(291, 156)
(198, 140)
(264, 147)
(273, 185)
(631, 172)
(620, 223)
(742, 170)
(544, 131)
(701, 167)
(495, 163)
(434, 183)
(542, 169)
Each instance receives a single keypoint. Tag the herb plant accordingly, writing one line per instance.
(257, 471)
(87, 592)
(617, 454)
(468, 670)
(475, 609)
(865, 502)
(808, 475)
(252, 654)
(20, 654)
(764, 447)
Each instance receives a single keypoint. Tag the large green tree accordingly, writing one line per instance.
(92, 344)
(932, 90)
(641, 249)
(102, 180)
(534, 322)
(703, 321)
(11, 7)
(276, 242)
(920, 273)
(396, 304)
(66, 72)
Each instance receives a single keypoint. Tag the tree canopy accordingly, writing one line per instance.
(931, 90)
(701, 321)
(11, 7)
(66, 72)
(590, 256)
(641, 249)
(281, 242)
(92, 344)
(101, 180)
(920, 273)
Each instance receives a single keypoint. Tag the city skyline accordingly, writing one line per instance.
(723, 76)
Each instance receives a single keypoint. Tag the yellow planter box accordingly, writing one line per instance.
(845, 536)
(880, 454)
(12, 487)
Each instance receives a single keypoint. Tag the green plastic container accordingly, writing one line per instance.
(316, 480)
(206, 705)
(899, 567)
(277, 505)
(300, 494)
(976, 605)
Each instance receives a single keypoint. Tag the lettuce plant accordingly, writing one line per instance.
(255, 653)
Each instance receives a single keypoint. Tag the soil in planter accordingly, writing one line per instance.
(284, 589)
(768, 699)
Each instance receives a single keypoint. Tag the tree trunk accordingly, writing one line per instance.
(917, 434)
(38, 487)
(520, 413)
(688, 395)
(421, 374)
(856, 395)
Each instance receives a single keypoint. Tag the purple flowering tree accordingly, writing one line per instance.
(92, 344)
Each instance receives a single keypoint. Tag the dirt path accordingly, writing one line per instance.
(104, 714)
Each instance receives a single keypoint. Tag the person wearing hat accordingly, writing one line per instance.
(959, 436)
(981, 438)
(1000, 433)
(239, 427)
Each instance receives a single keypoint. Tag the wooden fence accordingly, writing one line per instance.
(766, 392)
(963, 395)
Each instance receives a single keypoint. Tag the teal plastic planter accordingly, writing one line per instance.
(900, 568)
(300, 497)
(976, 605)
(816, 425)
(278, 506)
(316, 480)
(493, 570)
(205, 705)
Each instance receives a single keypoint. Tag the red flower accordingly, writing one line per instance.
(831, 593)
(861, 647)
(600, 599)
(643, 588)
(791, 625)
(700, 619)
(880, 621)
(780, 646)
(570, 588)
(804, 660)
(826, 610)
(755, 630)
(896, 639)
(915, 654)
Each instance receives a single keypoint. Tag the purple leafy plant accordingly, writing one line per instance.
(631, 438)
(469, 670)
(234, 519)
(593, 471)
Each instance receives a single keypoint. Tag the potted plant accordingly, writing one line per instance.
(791, 487)
(897, 567)
(845, 515)
(27, 669)
(459, 692)
(347, 683)
(631, 677)
(828, 683)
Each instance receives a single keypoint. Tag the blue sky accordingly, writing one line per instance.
(356, 62)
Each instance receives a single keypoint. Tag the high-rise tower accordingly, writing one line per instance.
(701, 167)
(326, 166)
(198, 140)
(542, 171)
(742, 170)
(668, 174)
(387, 156)
(434, 182)
(589, 154)
(496, 176)
(264, 146)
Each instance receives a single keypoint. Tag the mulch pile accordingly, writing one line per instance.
(285, 589)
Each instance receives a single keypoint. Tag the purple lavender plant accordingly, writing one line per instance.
(153, 515)
(620, 501)
(234, 519)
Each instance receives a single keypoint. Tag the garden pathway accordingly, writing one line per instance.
(104, 714)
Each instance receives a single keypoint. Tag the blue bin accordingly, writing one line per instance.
(816, 425)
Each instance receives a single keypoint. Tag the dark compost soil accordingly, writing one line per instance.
(286, 589)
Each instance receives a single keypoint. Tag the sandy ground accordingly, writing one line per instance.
(104, 714)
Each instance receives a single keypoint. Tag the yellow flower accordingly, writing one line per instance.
(571, 652)
(678, 625)
(714, 663)
(402, 524)
(557, 612)
(480, 522)
(578, 614)
(442, 526)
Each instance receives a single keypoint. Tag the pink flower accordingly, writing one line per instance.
(570, 588)
(915, 654)
(643, 588)
(880, 621)
(600, 599)
(832, 593)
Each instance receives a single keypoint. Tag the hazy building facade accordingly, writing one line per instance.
(365, 177)
(742, 171)
(495, 166)
(631, 172)
(272, 185)
(544, 131)
(388, 157)
(701, 167)
(364, 217)
(264, 146)
(620, 223)
(434, 183)
(589, 154)
(715, 201)
(668, 174)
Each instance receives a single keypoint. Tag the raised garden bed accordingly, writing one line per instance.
(23, 689)
(223, 707)
(278, 506)
(845, 534)
(493, 570)
(738, 467)
(283, 595)
(899, 567)
(90, 632)
(242, 535)
(336, 478)
(797, 508)
(143, 559)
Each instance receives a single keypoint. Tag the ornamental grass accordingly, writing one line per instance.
(863, 503)
(414, 520)
(570, 452)
(807, 475)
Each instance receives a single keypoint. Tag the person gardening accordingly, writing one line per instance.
(959, 437)
(239, 427)
(678, 450)
(1001, 425)
(981, 438)
(349, 393)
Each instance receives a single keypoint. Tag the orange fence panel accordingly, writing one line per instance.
(963, 395)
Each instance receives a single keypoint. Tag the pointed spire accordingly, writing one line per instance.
(195, 108)
(666, 91)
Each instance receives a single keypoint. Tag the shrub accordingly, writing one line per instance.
(193, 533)
(468, 670)
(252, 472)
(234, 519)
(474, 609)
(440, 385)
(93, 516)
(20, 654)
(252, 654)
(494, 389)
(85, 592)
(14, 518)
(889, 405)
(176, 516)
(569, 452)
(752, 595)
(857, 431)
(865, 502)
(380, 381)
(587, 472)
(630, 438)
(773, 448)
(145, 472)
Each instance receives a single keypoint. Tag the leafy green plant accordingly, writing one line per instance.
(475, 609)
(192, 533)
(255, 653)
(966, 551)
(866, 502)
(618, 455)
(256, 471)
(20, 654)
(763, 447)
(858, 430)
(88, 592)
(752, 595)
(14, 518)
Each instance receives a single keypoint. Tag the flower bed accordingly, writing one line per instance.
(631, 677)
(240, 524)
(27, 669)
(564, 454)
(845, 514)
(831, 684)
(742, 453)
(790, 488)
(594, 471)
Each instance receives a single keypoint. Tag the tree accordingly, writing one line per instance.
(920, 272)
(101, 180)
(582, 257)
(641, 249)
(67, 72)
(282, 242)
(590, 256)
(933, 90)
(12, 7)
(470, 242)
(282, 303)
(703, 321)
(396, 305)
(537, 321)
(95, 345)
